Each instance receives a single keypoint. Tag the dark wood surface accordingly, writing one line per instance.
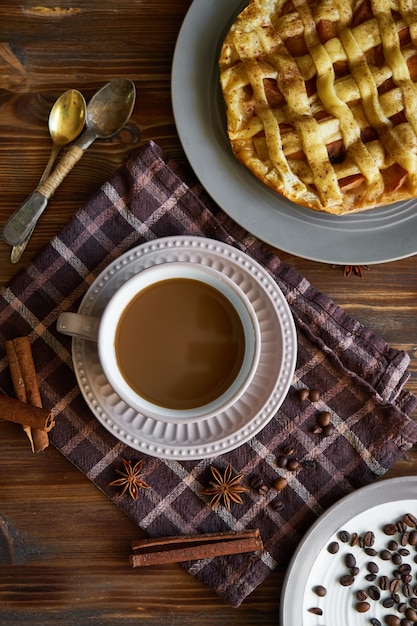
(63, 544)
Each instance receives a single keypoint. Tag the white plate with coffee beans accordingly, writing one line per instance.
(202, 438)
(357, 565)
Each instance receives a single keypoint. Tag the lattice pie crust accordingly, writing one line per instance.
(322, 102)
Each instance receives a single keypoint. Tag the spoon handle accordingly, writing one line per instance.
(24, 219)
(17, 251)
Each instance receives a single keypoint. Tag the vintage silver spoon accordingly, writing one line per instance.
(66, 121)
(107, 113)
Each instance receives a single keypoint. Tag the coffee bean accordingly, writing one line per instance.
(288, 450)
(394, 585)
(354, 539)
(406, 578)
(347, 580)
(333, 547)
(361, 595)
(374, 592)
(406, 622)
(371, 551)
(397, 559)
(324, 418)
(385, 555)
(255, 482)
(403, 551)
(293, 464)
(401, 607)
(328, 430)
(392, 620)
(389, 529)
(277, 504)
(370, 577)
(303, 394)
(396, 598)
(317, 430)
(320, 590)
(384, 583)
(354, 571)
(401, 526)
(363, 607)
(344, 536)
(258, 485)
(392, 545)
(316, 610)
(413, 603)
(372, 567)
(280, 483)
(350, 560)
(314, 395)
(405, 568)
(375, 622)
(388, 603)
(410, 520)
(404, 538)
(412, 538)
(411, 614)
(282, 461)
(369, 538)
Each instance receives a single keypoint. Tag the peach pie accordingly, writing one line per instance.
(321, 99)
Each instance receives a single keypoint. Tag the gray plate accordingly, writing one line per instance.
(376, 236)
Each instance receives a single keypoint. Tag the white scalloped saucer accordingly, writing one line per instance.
(202, 438)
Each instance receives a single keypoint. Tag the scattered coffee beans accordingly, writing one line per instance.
(344, 536)
(395, 590)
(280, 483)
(324, 418)
(316, 610)
(363, 607)
(346, 580)
(320, 591)
(277, 504)
(350, 560)
(303, 394)
(333, 547)
(314, 395)
(282, 461)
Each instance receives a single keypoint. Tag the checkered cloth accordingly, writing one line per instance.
(360, 377)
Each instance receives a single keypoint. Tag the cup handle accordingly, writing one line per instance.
(78, 325)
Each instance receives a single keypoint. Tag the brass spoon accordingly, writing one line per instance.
(107, 113)
(66, 121)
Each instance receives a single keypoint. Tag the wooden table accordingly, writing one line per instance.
(69, 543)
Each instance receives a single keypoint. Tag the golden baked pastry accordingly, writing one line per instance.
(321, 99)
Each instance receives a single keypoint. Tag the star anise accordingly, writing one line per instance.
(225, 488)
(130, 480)
(353, 269)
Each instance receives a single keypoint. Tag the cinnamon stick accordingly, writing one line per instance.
(179, 548)
(25, 384)
(13, 410)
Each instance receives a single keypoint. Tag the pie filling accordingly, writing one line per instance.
(322, 102)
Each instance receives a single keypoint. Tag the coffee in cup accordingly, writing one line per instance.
(176, 341)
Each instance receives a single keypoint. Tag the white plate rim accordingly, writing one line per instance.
(317, 537)
(377, 236)
(106, 411)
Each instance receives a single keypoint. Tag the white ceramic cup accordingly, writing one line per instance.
(103, 330)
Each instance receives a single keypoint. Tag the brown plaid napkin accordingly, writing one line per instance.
(359, 376)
